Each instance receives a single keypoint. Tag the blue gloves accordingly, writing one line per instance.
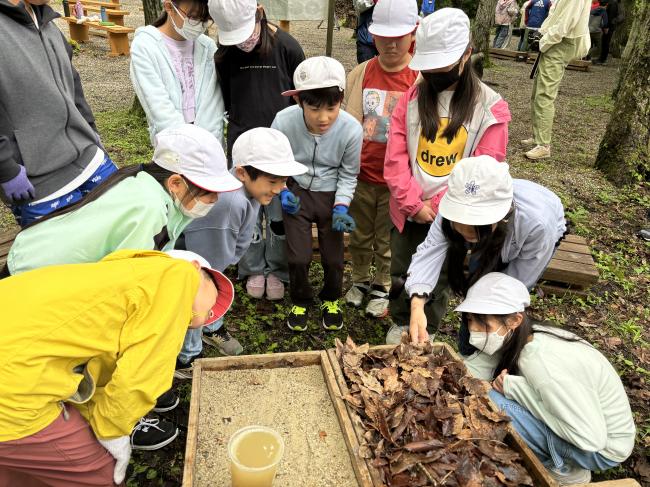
(341, 221)
(290, 202)
(19, 189)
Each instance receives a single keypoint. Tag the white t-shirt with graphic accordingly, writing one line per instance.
(182, 57)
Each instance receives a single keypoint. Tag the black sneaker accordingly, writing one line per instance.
(224, 341)
(297, 319)
(332, 315)
(152, 434)
(166, 402)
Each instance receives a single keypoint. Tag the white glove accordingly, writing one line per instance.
(120, 448)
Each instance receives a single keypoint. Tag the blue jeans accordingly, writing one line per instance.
(27, 213)
(501, 36)
(551, 450)
(267, 253)
(192, 345)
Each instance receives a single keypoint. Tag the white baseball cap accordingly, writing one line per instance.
(441, 39)
(268, 150)
(225, 289)
(496, 294)
(317, 72)
(196, 154)
(235, 19)
(479, 192)
(394, 18)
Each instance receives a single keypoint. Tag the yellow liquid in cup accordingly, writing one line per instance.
(254, 456)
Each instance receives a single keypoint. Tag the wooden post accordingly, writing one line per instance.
(78, 32)
(330, 27)
(119, 42)
(285, 25)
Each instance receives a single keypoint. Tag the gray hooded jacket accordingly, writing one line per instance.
(45, 123)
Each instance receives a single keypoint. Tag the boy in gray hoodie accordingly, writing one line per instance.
(263, 161)
(50, 153)
(328, 141)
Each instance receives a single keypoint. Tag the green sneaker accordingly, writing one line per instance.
(297, 319)
(332, 316)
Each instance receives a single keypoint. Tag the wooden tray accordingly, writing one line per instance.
(278, 360)
(534, 467)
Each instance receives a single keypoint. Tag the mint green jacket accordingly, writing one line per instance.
(127, 216)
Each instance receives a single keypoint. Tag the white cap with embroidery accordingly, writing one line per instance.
(479, 192)
(317, 72)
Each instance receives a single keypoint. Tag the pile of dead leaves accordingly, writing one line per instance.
(426, 422)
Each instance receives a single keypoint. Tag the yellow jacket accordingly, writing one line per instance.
(104, 336)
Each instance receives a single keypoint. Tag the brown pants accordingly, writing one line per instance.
(63, 454)
(315, 207)
(371, 238)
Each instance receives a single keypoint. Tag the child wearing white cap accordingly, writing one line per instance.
(140, 207)
(263, 161)
(328, 141)
(86, 350)
(373, 89)
(172, 69)
(563, 396)
(448, 115)
(254, 53)
(507, 225)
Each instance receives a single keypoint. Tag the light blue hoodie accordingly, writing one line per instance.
(529, 246)
(332, 159)
(159, 90)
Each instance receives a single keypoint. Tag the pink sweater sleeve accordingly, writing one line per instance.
(495, 139)
(403, 187)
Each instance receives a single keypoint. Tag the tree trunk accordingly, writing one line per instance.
(482, 27)
(152, 10)
(622, 32)
(625, 149)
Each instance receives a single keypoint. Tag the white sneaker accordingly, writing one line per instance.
(394, 335)
(530, 141)
(570, 474)
(539, 152)
(377, 304)
(356, 293)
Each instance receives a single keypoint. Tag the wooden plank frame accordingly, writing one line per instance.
(270, 361)
(529, 57)
(534, 467)
(6, 241)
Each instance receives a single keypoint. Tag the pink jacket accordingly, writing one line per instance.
(489, 123)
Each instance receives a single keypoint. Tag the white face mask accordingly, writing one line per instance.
(488, 343)
(199, 210)
(190, 30)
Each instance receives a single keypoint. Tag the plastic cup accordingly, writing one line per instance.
(255, 453)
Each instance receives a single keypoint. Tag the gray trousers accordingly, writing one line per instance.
(267, 253)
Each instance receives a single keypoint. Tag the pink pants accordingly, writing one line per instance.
(63, 454)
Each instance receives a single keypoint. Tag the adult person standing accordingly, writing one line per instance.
(255, 62)
(536, 12)
(172, 69)
(565, 36)
(50, 153)
(365, 44)
(615, 16)
(504, 14)
(446, 116)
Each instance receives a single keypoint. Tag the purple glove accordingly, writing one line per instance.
(19, 189)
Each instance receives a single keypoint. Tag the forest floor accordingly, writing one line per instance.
(614, 316)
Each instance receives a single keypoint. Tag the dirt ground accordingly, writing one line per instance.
(614, 315)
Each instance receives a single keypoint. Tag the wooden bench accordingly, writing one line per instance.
(116, 16)
(6, 241)
(118, 35)
(102, 3)
(529, 57)
(571, 270)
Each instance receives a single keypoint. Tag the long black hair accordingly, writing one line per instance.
(199, 10)
(461, 107)
(264, 46)
(154, 170)
(517, 340)
(488, 249)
